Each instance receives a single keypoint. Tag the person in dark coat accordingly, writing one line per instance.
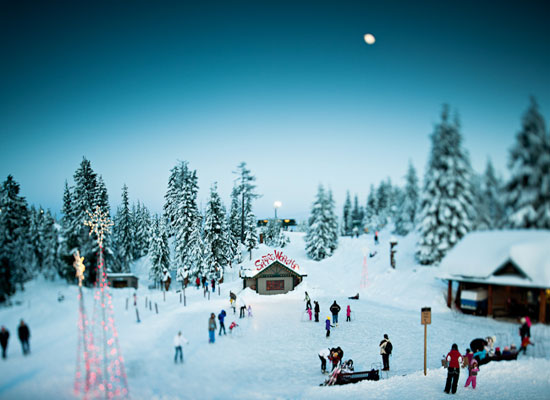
(221, 317)
(317, 310)
(24, 334)
(385, 350)
(335, 309)
(4, 337)
(454, 359)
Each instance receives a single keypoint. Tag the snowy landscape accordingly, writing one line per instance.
(274, 353)
(170, 168)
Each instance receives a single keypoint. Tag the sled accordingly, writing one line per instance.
(505, 357)
(343, 378)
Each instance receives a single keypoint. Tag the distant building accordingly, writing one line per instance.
(501, 273)
(273, 273)
(287, 224)
(122, 280)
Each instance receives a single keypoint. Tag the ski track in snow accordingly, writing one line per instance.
(274, 356)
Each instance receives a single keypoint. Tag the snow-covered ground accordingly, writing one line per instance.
(275, 354)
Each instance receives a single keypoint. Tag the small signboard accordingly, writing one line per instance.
(426, 316)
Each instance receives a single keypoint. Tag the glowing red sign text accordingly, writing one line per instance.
(270, 258)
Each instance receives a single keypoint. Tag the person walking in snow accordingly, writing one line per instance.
(212, 328)
(309, 313)
(335, 309)
(385, 350)
(249, 309)
(376, 237)
(4, 337)
(317, 309)
(524, 343)
(328, 326)
(24, 334)
(324, 355)
(348, 314)
(473, 369)
(179, 341)
(525, 328)
(213, 285)
(221, 317)
(454, 359)
(198, 282)
(308, 301)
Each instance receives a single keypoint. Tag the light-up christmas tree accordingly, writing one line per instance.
(105, 377)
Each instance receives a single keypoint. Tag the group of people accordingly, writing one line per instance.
(334, 309)
(205, 282)
(24, 334)
(482, 351)
(336, 355)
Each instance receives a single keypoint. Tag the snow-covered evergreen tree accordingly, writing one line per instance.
(123, 232)
(357, 217)
(173, 196)
(370, 220)
(384, 202)
(321, 237)
(273, 234)
(195, 260)
(251, 238)
(159, 251)
(347, 222)
(49, 242)
(15, 248)
(447, 213)
(406, 216)
(36, 218)
(233, 222)
(187, 213)
(528, 190)
(245, 191)
(216, 239)
(141, 229)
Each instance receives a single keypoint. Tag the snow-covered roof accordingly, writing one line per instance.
(479, 255)
(121, 275)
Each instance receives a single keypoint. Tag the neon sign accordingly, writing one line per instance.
(270, 258)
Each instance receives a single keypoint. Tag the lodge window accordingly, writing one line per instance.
(275, 285)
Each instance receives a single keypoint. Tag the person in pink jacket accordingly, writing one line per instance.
(348, 314)
(473, 369)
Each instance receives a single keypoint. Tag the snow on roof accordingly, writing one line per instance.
(121, 275)
(479, 255)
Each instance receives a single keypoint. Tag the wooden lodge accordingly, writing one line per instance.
(273, 273)
(500, 274)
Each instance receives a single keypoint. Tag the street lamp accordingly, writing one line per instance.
(277, 204)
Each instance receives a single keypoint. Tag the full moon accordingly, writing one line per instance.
(369, 38)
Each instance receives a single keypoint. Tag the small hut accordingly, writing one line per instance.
(273, 273)
(501, 273)
(122, 280)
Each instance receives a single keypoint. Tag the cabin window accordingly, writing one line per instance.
(275, 285)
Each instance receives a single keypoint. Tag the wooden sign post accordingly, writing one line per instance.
(425, 319)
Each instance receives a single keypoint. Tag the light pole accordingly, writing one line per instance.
(277, 204)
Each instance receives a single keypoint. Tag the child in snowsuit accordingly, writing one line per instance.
(212, 328)
(309, 313)
(232, 326)
(348, 314)
(473, 369)
(454, 359)
(221, 318)
(524, 343)
(250, 310)
(327, 326)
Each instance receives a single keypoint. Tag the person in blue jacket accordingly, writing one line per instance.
(221, 317)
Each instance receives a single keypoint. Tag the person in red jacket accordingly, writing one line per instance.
(454, 359)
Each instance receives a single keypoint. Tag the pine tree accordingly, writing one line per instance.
(172, 196)
(251, 238)
(159, 251)
(36, 219)
(123, 232)
(273, 234)
(406, 217)
(234, 224)
(141, 230)
(215, 235)
(321, 237)
(357, 216)
(370, 220)
(15, 248)
(195, 260)
(49, 243)
(347, 223)
(245, 189)
(528, 190)
(447, 213)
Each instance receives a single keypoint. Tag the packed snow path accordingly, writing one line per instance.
(275, 354)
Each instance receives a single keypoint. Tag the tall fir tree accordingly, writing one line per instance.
(370, 221)
(528, 189)
(321, 238)
(251, 238)
(492, 194)
(447, 213)
(407, 213)
(347, 222)
(357, 216)
(159, 252)
(245, 188)
(15, 248)
(49, 241)
(123, 232)
(216, 241)
(234, 224)
(141, 230)
(172, 197)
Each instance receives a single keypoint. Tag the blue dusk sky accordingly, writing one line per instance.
(290, 87)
